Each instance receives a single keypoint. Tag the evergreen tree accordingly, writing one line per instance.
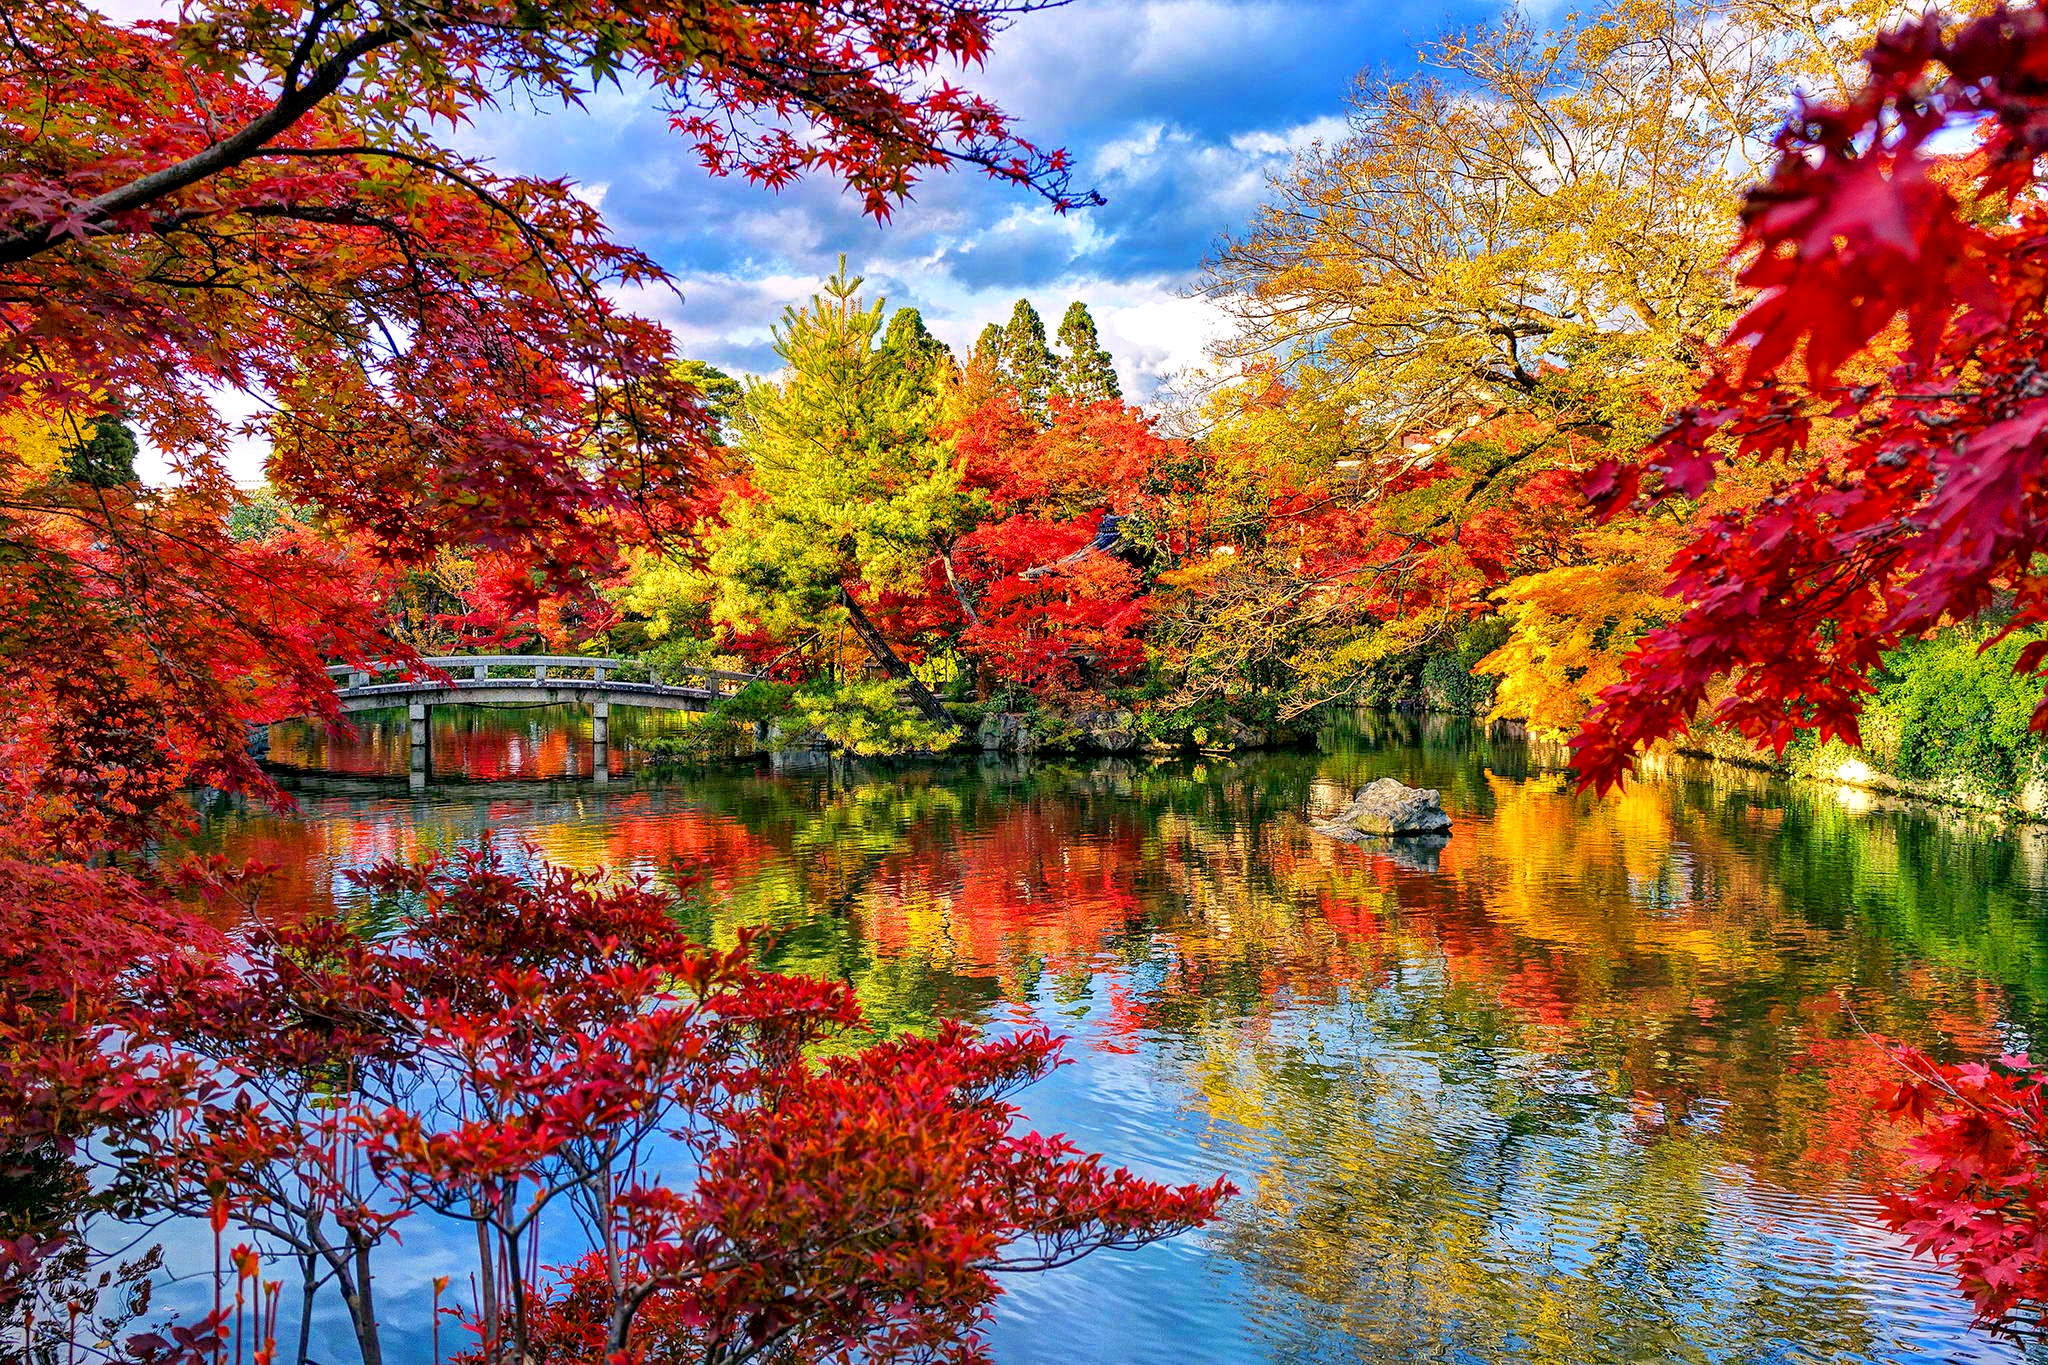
(988, 347)
(1027, 363)
(106, 459)
(852, 489)
(909, 343)
(982, 375)
(722, 393)
(260, 515)
(1086, 372)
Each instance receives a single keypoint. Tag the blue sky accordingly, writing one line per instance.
(1176, 109)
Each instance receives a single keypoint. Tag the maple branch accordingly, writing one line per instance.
(482, 194)
(92, 218)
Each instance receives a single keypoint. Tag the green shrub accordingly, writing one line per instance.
(759, 701)
(1449, 685)
(868, 718)
(1447, 682)
(714, 736)
(1947, 713)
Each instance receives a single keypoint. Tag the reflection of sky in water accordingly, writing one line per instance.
(1543, 1096)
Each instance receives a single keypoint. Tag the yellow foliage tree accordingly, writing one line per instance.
(1539, 221)
(1568, 631)
(1512, 266)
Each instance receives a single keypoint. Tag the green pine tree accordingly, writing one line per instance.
(910, 344)
(1027, 363)
(1086, 372)
(856, 488)
(722, 393)
(988, 347)
(105, 459)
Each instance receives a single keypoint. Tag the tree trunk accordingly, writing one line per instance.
(959, 590)
(891, 662)
(308, 1286)
(358, 1291)
(487, 1282)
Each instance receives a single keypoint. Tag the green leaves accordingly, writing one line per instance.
(1087, 373)
(845, 480)
(1024, 360)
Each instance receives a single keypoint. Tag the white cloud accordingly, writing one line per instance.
(1287, 141)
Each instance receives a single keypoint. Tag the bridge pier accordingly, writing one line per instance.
(421, 717)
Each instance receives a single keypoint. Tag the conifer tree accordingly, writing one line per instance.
(982, 375)
(1027, 362)
(851, 488)
(106, 459)
(909, 344)
(1086, 372)
(721, 394)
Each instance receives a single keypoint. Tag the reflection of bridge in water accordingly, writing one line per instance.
(525, 680)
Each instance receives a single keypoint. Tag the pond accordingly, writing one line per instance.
(1585, 1086)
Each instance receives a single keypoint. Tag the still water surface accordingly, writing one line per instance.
(1584, 1086)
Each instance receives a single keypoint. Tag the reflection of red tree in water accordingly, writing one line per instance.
(362, 750)
(1365, 888)
(1543, 990)
(306, 856)
(1847, 1121)
(477, 744)
(1029, 887)
(493, 755)
(699, 849)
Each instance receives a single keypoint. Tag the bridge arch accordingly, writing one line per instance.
(524, 680)
(528, 680)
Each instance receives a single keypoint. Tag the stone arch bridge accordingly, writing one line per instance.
(524, 680)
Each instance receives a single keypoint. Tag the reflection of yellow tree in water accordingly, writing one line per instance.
(1467, 1203)
(1508, 1103)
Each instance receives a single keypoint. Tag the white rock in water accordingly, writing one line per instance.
(1390, 808)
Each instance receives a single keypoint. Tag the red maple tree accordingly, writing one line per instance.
(1042, 594)
(1917, 490)
(1979, 1203)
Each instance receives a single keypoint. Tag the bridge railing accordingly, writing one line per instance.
(537, 670)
